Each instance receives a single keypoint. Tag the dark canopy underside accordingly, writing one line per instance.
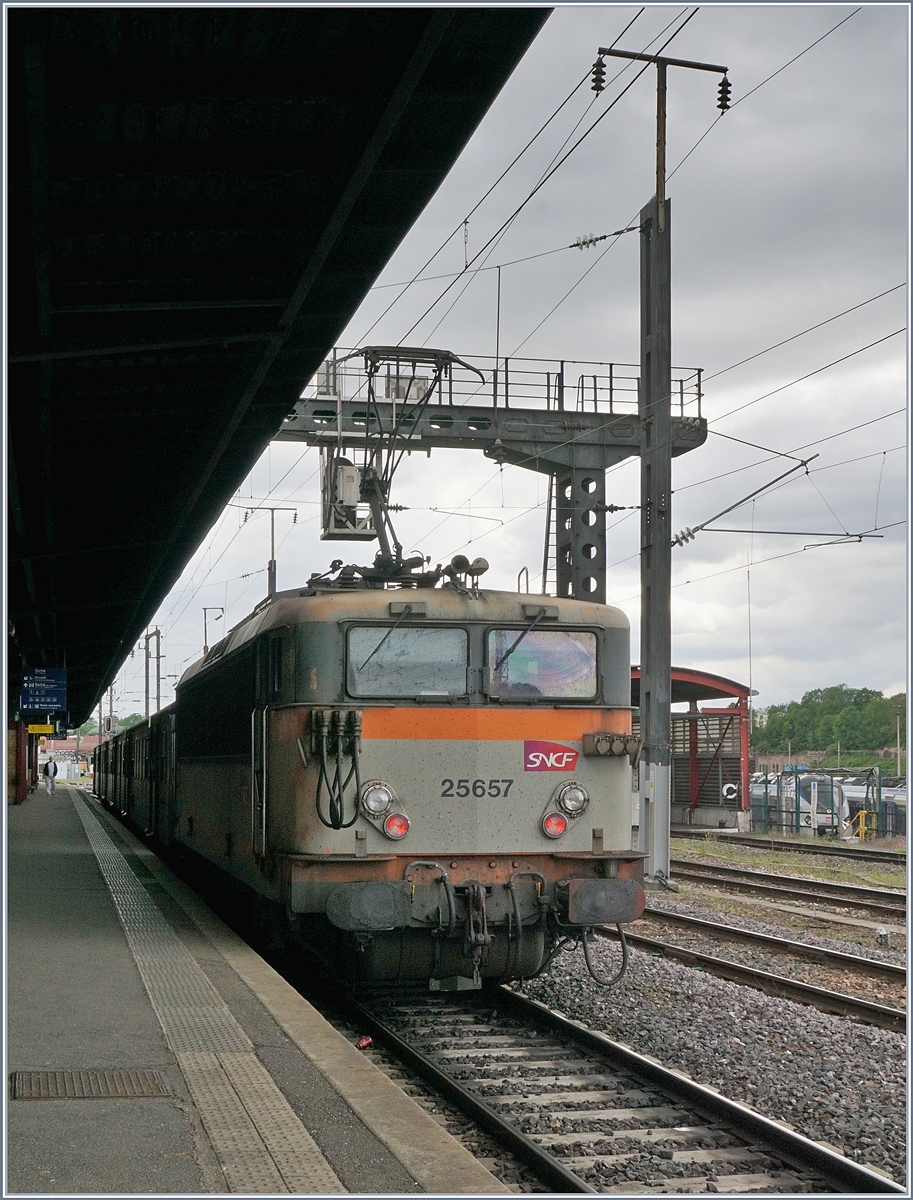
(198, 201)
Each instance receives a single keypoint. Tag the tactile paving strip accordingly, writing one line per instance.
(87, 1085)
(260, 1143)
(303, 1170)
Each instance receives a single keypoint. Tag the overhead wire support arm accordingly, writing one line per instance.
(660, 58)
(687, 535)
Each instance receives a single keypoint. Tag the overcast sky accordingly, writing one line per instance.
(792, 210)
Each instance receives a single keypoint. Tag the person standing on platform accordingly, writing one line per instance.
(50, 774)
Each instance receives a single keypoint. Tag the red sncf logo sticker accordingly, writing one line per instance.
(548, 756)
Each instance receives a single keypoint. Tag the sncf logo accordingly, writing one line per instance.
(548, 756)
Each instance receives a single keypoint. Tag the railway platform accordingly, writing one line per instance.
(149, 1049)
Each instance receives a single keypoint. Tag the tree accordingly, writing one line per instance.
(857, 718)
(88, 727)
(128, 722)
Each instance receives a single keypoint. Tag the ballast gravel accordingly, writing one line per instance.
(832, 1080)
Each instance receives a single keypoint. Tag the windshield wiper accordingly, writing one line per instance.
(405, 613)
(532, 625)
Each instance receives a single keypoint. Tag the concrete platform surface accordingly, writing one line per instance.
(190, 1064)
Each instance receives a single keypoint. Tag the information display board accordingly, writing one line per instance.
(44, 689)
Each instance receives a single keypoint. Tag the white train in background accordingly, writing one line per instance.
(825, 803)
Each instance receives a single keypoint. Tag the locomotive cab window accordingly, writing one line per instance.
(386, 661)
(553, 664)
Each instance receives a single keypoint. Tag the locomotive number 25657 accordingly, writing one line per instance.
(478, 787)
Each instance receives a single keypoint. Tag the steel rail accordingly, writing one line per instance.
(853, 890)
(780, 1140)
(867, 966)
(550, 1169)
(860, 853)
(794, 1148)
(866, 1011)
(709, 875)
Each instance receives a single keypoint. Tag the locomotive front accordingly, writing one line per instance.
(446, 796)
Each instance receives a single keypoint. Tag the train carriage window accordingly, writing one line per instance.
(552, 664)
(385, 661)
(275, 665)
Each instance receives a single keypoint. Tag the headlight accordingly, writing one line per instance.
(572, 798)
(376, 798)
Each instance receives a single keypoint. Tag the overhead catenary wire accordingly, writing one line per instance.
(464, 223)
(579, 244)
(811, 329)
(758, 86)
(576, 88)
(842, 540)
(593, 265)
(817, 371)
(689, 534)
(633, 460)
(720, 434)
(827, 467)
(534, 191)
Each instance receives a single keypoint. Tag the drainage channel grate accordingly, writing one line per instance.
(87, 1085)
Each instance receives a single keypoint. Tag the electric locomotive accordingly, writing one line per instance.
(421, 782)
(420, 778)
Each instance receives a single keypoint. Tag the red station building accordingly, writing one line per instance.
(710, 749)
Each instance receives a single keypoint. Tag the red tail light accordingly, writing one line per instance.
(396, 825)
(554, 824)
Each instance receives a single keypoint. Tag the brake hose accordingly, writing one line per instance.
(589, 965)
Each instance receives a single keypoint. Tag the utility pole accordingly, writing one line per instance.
(221, 612)
(898, 712)
(271, 566)
(157, 634)
(655, 411)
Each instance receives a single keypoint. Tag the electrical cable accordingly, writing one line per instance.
(511, 165)
(817, 371)
(811, 328)
(476, 206)
(757, 87)
(553, 170)
(593, 265)
(791, 61)
(228, 544)
(842, 541)
(760, 462)
(504, 229)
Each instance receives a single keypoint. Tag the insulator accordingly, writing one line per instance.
(598, 76)
(725, 89)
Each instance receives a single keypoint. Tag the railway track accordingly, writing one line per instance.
(879, 902)
(831, 849)
(881, 1015)
(590, 1115)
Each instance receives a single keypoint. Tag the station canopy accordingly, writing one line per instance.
(199, 198)
(691, 686)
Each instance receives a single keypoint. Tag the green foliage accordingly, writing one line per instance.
(88, 727)
(128, 722)
(858, 718)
